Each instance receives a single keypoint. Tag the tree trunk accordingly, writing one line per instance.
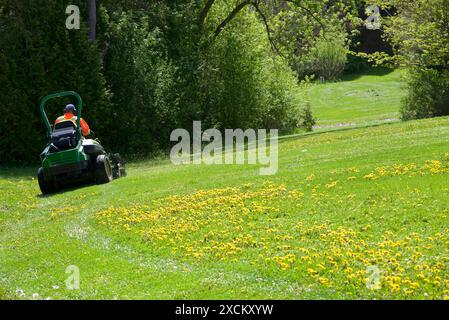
(92, 6)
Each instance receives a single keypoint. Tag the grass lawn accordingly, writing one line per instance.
(345, 206)
(358, 99)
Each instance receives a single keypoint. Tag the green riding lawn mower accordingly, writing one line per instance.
(71, 159)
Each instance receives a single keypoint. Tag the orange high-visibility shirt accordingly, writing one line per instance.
(70, 117)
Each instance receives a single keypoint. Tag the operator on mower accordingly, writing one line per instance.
(70, 115)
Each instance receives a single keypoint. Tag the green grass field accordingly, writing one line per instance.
(361, 99)
(344, 206)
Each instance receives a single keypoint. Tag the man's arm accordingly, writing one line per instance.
(85, 128)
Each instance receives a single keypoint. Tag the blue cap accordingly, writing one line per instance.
(70, 108)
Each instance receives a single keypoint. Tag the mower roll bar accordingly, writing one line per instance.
(59, 95)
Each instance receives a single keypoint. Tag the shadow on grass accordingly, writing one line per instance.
(378, 71)
(30, 173)
(68, 188)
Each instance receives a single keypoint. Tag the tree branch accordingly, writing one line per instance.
(267, 27)
(205, 12)
(231, 16)
(308, 11)
(255, 4)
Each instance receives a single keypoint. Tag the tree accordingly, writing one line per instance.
(419, 32)
(40, 58)
(92, 6)
(271, 6)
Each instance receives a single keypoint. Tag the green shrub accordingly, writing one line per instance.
(356, 64)
(308, 120)
(241, 84)
(143, 80)
(329, 58)
(39, 58)
(428, 94)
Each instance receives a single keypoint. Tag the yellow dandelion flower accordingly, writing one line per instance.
(311, 177)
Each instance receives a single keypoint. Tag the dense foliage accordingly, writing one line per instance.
(419, 32)
(154, 67)
(317, 35)
(428, 94)
(37, 58)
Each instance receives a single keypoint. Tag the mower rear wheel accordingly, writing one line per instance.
(46, 187)
(103, 170)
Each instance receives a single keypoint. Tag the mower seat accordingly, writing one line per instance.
(64, 137)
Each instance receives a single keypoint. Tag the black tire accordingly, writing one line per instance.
(47, 187)
(103, 170)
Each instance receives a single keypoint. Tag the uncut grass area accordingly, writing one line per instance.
(343, 204)
(361, 99)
